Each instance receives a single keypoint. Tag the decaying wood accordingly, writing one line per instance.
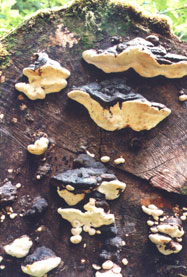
(158, 156)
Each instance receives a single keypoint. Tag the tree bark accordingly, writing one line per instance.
(159, 162)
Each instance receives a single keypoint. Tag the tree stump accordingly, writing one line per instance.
(160, 162)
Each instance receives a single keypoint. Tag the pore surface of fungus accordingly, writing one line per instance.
(143, 56)
(19, 248)
(88, 176)
(40, 262)
(44, 76)
(39, 147)
(113, 105)
(94, 217)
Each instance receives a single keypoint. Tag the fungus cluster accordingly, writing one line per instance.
(98, 184)
(149, 59)
(45, 76)
(113, 105)
(94, 217)
(86, 177)
(166, 231)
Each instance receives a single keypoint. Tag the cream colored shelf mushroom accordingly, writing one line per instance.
(74, 184)
(44, 76)
(166, 231)
(19, 248)
(39, 147)
(113, 105)
(94, 217)
(143, 56)
(41, 261)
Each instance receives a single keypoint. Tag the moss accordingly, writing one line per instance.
(3, 52)
(183, 190)
(154, 23)
(4, 56)
(90, 10)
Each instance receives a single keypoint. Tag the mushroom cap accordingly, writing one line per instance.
(144, 57)
(117, 109)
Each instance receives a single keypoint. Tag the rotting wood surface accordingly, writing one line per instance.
(161, 158)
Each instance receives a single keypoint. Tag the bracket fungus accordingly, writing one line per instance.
(88, 176)
(94, 217)
(19, 248)
(166, 231)
(44, 76)
(113, 105)
(142, 55)
(39, 146)
(41, 261)
(8, 193)
(37, 207)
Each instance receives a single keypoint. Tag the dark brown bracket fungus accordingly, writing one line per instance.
(38, 206)
(8, 193)
(113, 105)
(143, 56)
(41, 261)
(44, 76)
(73, 185)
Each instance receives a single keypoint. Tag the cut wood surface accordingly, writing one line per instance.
(155, 158)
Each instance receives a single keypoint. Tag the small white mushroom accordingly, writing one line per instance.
(19, 248)
(150, 222)
(70, 188)
(113, 272)
(76, 239)
(39, 147)
(119, 161)
(96, 267)
(183, 217)
(105, 159)
(107, 264)
(183, 97)
(124, 261)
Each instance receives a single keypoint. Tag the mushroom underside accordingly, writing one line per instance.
(136, 114)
